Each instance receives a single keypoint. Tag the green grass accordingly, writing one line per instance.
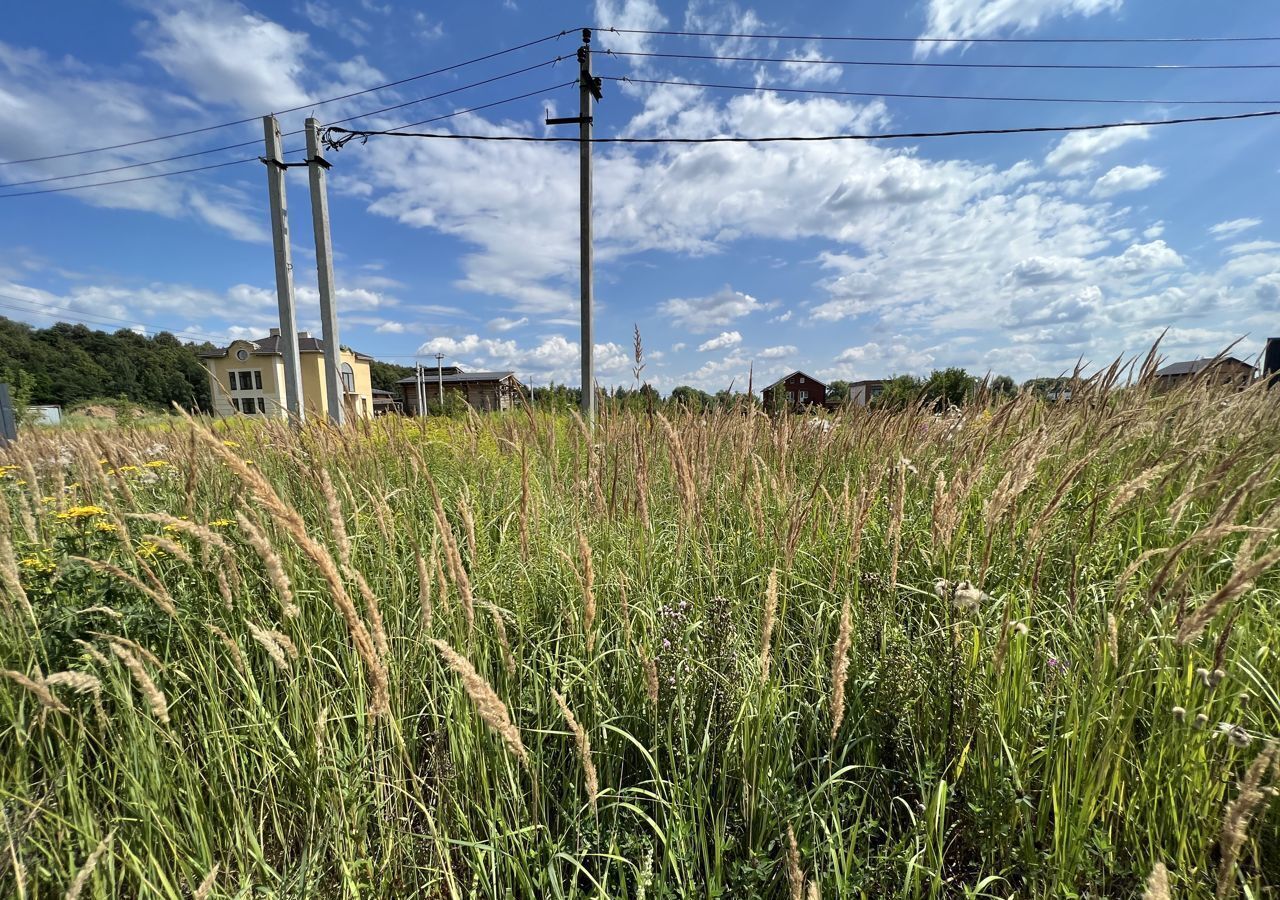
(1027, 747)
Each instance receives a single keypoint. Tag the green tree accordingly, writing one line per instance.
(900, 392)
(949, 387)
(690, 397)
(1003, 386)
(838, 392)
(385, 375)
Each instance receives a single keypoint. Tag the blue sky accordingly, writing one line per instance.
(1015, 254)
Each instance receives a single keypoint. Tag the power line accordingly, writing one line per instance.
(374, 112)
(95, 319)
(295, 150)
(311, 105)
(890, 94)
(943, 40)
(944, 65)
(885, 136)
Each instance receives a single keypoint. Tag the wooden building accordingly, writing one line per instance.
(482, 391)
(797, 391)
(1224, 370)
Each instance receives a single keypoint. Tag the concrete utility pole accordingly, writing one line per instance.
(284, 267)
(440, 378)
(588, 89)
(420, 388)
(316, 168)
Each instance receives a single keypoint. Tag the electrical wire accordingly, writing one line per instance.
(95, 319)
(943, 65)
(942, 40)
(310, 105)
(374, 112)
(295, 150)
(348, 134)
(626, 79)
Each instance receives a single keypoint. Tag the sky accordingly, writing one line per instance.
(1010, 254)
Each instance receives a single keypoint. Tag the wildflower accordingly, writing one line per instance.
(1244, 697)
(81, 512)
(127, 470)
(1201, 721)
(103, 461)
(232, 444)
(941, 588)
(222, 523)
(106, 527)
(1237, 735)
(148, 550)
(1179, 713)
(1055, 663)
(1020, 629)
(967, 598)
(156, 464)
(48, 500)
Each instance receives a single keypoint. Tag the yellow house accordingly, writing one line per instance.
(247, 378)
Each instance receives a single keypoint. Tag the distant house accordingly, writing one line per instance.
(1225, 370)
(861, 393)
(384, 402)
(247, 377)
(796, 391)
(484, 391)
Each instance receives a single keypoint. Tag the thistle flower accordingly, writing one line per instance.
(1179, 713)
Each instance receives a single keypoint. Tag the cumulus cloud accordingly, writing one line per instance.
(502, 323)
(716, 310)
(777, 352)
(722, 341)
(1078, 152)
(1126, 178)
(390, 327)
(554, 357)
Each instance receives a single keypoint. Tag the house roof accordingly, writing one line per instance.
(379, 392)
(854, 384)
(1195, 366)
(270, 346)
(792, 375)
(431, 378)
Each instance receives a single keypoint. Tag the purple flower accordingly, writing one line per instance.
(666, 644)
(1054, 662)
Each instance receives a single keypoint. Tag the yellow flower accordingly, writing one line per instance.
(36, 565)
(30, 562)
(82, 512)
(222, 523)
(106, 527)
(103, 461)
(148, 550)
(48, 499)
(156, 464)
(129, 469)
(231, 444)
(172, 529)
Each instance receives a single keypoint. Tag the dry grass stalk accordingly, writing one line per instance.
(524, 502)
(840, 667)
(895, 525)
(79, 682)
(500, 629)
(94, 653)
(1239, 813)
(337, 521)
(442, 582)
(272, 562)
(768, 617)
(377, 627)
(588, 579)
(204, 890)
(624, 606)
(86, 870)
(492, 711)
(1240, 581)
(583, 740)
(452, 558)
(155, 698)
(795, 875)
(292, 522)
(173, 548)
(650, 666)
(1157, 884)
(37, 689)
(9, 578)
(275, 649)
(1135, 486)
(469, 525)
(161, 597)
(812, 892)
(237, 657)
(424, 591)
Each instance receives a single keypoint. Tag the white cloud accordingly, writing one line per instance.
(229, 55)
(1078, 152)
(802, 74)
(1232, 227)
(677, 347)
(1126, 178)
(390, 327)
(643, 15)
(721, 341)
(984, 18)
(1252, 247)
(501, 323)
(553, 358)
(785, 317)
(777, 352)
(716, 310)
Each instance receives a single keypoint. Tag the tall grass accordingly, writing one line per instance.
(1027, 651)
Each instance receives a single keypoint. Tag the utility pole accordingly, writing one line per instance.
(417, 384)
(284, 267)
(316, 168)
(440, 379)
(588, 89)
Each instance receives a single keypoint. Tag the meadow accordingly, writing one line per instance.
(1025, 650)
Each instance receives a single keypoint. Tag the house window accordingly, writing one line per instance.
(245, 380)
(804, 395)
(791, 396)
(802, 379)
(242, 355)
(348, 378)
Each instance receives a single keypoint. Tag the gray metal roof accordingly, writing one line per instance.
(430, 377)
(270, 346)
(1195, 366)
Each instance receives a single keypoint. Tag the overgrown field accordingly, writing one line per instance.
(1027, 651)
